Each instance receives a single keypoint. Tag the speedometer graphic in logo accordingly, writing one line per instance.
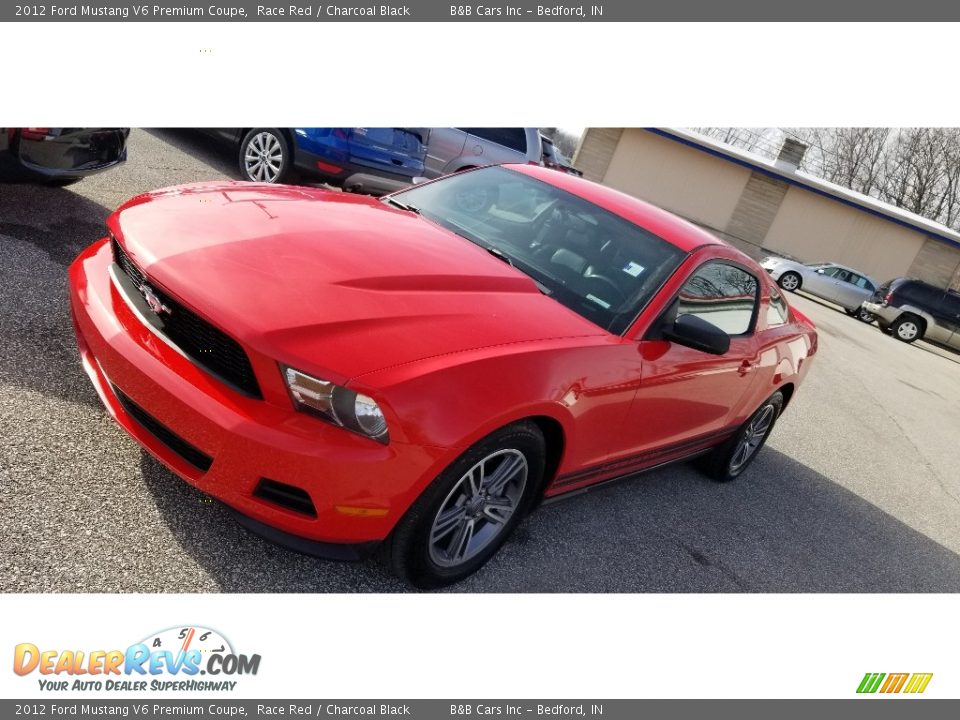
(186, 638)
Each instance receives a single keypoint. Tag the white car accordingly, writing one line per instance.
(837, 283)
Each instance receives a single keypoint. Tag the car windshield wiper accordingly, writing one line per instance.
(402, 205)
(498, 253)
(501, 255)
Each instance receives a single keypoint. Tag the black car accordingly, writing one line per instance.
(60, 156)
(911, 309)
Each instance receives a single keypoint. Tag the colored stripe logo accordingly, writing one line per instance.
(913, 683)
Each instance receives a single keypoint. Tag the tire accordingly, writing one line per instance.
(907, 328)
(265, 156)
(451, 530)
(727, 462)
(61, 182)
(864, 316)
(790, 281)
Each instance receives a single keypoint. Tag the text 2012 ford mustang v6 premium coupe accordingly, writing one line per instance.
(416, 372)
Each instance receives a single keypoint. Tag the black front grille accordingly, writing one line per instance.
(288, 496)
(161, 432)
(209, 347)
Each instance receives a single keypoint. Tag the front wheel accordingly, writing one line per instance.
(265, 156)
(790, 281)
(729, 460)
(465, 515)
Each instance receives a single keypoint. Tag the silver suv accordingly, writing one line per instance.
(453, 149)
(911, 309)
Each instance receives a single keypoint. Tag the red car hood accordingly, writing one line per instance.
(332, 282)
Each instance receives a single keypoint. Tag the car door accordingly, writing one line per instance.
(852, 290)
(952, 317)
(444, 148)
(945, 310)
(819, 281)
(688, 396)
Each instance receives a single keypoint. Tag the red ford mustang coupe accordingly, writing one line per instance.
(416, 372)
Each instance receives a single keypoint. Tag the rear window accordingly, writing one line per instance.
(513, 138)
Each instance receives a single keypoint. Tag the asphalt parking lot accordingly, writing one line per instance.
(857, 490)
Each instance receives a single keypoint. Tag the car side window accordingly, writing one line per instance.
(777, 309)
(841, 274)
(513, 138)
(721, 294)
(951, 303)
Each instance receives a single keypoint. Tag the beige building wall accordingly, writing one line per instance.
(758, 214)
(811, 228)
(937, 263)
(682, 180)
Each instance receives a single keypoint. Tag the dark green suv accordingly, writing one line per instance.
(912, 309)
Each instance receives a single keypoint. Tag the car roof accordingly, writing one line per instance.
(683, 234)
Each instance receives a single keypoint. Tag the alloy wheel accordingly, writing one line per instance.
(789, 282)
(263, 157)
(478, 508)
(753, 437)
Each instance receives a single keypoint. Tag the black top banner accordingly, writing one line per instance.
(492, 11)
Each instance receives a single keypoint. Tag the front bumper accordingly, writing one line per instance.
(359, 488)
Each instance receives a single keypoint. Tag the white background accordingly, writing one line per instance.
(563, 75)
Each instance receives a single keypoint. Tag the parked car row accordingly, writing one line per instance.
(907, 308)
(382, 160)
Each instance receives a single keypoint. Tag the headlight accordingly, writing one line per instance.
(339, 405)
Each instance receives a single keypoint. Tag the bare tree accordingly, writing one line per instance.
(917, 169)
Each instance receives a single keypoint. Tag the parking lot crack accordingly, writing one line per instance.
(706, 562)
(903, 432)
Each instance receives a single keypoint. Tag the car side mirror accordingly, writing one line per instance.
(695, 332)
(820, 271)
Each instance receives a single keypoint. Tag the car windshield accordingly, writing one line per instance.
(594, 262)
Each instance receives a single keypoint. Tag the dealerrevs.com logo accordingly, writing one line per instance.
(173, 659)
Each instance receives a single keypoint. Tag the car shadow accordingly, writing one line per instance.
(35, 325)
(781, 528)
(219, 155)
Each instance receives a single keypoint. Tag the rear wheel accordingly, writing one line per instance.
(465, 515)
(864, 316)
(907, 328)
(265, 156)
(729, 460)
(790, 281)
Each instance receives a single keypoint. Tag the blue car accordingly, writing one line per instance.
(372, 160)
